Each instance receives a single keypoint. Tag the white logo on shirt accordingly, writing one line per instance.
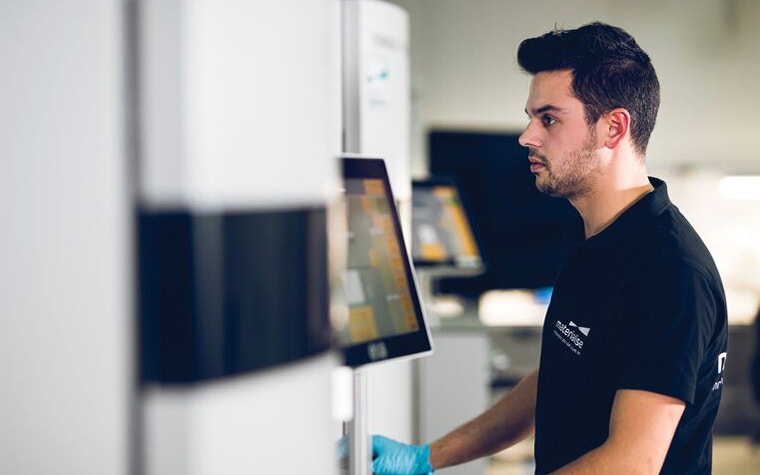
(722, 362)
(584, 330)
(721, 368)
(572, 339)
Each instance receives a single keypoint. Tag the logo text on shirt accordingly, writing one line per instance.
(568, 335)
(721, 368)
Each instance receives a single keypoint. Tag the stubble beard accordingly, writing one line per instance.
(574, 180)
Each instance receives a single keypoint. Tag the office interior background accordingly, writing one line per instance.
(122, 118)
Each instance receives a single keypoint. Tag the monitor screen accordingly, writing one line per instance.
(523, 230)
(442, 234)
(385, 318)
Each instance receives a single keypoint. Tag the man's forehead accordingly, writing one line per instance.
(561, 80)
(551, 89)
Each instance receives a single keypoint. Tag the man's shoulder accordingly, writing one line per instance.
(671, 245)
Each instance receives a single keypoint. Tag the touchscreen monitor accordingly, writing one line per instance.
(385, 318)
(442, 233)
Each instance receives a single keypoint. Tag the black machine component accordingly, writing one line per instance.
(224, 294)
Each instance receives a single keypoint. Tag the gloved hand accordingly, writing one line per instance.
(390, 457)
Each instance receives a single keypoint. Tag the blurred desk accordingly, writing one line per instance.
(514, 320)
(513, 308)
(514, 353)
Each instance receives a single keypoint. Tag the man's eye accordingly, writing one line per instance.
(548, 120)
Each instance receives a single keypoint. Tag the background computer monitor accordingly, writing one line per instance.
(385, 318)
(523, 231)
(442, 233)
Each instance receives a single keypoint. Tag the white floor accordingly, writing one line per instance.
(731, 456)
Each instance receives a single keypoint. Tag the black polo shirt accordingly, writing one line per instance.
(638, 306)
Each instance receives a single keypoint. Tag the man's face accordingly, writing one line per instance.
(561, 145)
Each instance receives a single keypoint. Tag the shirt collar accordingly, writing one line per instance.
(645, 209)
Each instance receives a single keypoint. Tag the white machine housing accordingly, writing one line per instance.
(240, 112)
(376, 90)
(376, 118)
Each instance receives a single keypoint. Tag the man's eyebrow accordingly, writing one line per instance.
(545, 108)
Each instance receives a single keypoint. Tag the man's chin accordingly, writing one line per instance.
(547, 189)
(542, 186)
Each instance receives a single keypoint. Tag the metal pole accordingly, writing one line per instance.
(360, 454)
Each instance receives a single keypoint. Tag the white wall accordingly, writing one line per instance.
(706, 53)
(65, 302)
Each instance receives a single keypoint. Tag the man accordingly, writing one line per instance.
(634, 341)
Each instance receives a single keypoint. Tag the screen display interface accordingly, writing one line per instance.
(376, 283)
(442, 233)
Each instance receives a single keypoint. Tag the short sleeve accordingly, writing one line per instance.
(666, 321)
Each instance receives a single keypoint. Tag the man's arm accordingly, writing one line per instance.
(642, 425)
(509, 421)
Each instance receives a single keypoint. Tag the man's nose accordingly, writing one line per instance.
(529, 137)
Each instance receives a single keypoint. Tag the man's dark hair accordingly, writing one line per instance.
(609, 71)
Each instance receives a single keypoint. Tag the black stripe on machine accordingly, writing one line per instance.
(225, 294)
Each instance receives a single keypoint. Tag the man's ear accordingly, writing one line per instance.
(617, 123)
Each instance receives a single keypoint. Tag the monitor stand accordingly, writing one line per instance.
(360, 449)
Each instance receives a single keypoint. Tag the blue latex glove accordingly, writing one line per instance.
(390, 457)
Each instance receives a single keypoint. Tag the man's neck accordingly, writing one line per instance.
(606, 203)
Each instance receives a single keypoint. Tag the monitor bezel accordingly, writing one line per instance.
(396, 347)
(450, 263)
